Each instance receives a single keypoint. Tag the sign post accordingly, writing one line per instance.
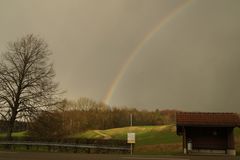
(131, 139)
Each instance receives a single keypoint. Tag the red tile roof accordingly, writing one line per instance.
(207, 119)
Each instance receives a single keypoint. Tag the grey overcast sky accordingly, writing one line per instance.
(175, 54)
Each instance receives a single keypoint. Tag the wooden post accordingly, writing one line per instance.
(184, 141)
(75, 150)
(13, 147)
(49, 148)
(230, 139)
(230, 142)
(131, 120)
(131, 149)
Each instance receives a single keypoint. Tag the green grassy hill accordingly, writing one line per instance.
(149, 139)
(144, 134)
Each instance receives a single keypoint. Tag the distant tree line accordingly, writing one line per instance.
(86, 114)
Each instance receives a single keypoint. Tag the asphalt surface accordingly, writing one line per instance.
(72, 156)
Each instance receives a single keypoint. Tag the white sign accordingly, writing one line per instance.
(131, 138)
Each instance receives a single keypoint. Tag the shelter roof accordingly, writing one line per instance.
(207, 119)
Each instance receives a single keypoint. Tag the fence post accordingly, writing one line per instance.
(27, 147)
(49, 148)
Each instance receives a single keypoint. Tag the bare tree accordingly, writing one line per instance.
(26, 80)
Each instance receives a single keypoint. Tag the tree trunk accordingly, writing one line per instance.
(11, 126)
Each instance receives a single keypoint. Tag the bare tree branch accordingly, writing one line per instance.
(26, 80)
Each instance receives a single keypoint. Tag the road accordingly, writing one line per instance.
(71, 156)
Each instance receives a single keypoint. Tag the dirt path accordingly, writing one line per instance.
(103, 134)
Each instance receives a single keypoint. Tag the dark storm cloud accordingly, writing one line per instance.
(190, 64)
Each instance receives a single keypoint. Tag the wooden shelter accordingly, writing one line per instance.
(207, 132)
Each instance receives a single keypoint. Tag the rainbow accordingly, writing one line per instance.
(138, 48)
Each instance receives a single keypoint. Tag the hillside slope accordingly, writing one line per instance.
(149, 139)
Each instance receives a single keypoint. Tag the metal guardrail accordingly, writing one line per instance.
(75, 146)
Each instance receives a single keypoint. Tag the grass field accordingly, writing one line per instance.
(149, 139)
(144, 134)
(18, 135)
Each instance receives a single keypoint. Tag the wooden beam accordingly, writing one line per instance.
(184, 141)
